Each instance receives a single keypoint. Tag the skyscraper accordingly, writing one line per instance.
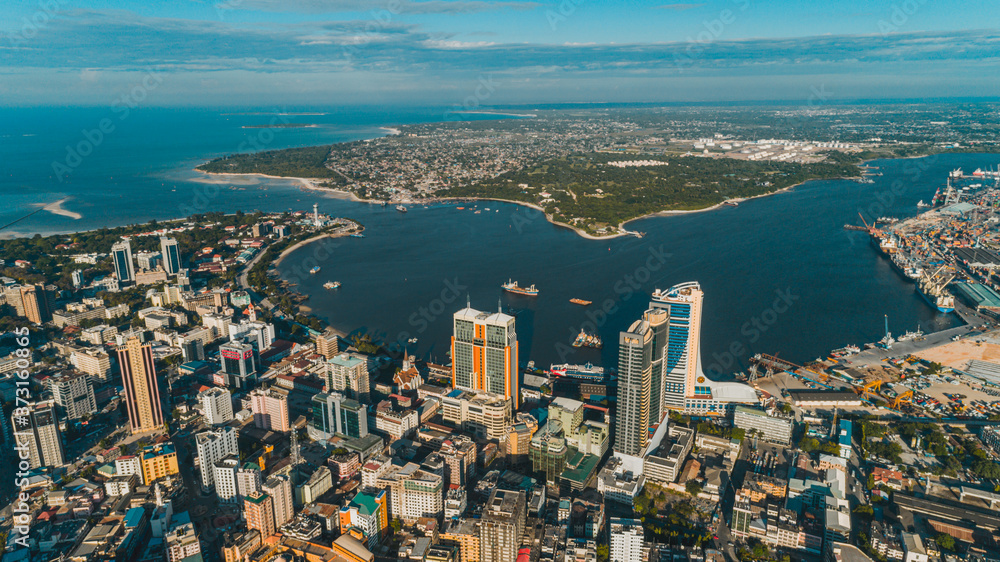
(121, 253)
(502, 526)
(212, 446)
(216, 406)
(171, 254)
(37, 430)
(37, 302)
(142, 391)
(635, 371)
(270, 409)
(74, 393)
(238, 363)
(279, 487)
(685, 386)
(484, 353)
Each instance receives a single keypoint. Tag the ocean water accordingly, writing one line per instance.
(780, 273)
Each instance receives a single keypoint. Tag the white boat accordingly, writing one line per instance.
(331, 285)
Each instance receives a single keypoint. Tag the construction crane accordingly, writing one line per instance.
(904, 397)
(866, 390)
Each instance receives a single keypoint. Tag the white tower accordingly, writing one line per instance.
(316, 215)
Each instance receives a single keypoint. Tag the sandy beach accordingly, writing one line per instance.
(56, 208)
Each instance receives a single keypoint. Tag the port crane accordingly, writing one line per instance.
(866, 390)
(904, 397)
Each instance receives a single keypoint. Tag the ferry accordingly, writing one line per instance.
(583, 339)
(314, 270)
(331, 285)
(512, 287)
(401, 208)
(586, 372)
(580, 302)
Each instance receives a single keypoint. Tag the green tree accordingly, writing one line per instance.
(945, 541)
(693, 487)
(397, 525)
(603, 552)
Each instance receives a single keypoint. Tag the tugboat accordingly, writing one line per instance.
(588, 340)
(512, 287)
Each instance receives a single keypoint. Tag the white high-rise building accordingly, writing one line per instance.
(74, 393)
(247, 479)
(626, 540)
(279, 487)
(213, 445)
(685, 386)
(36, 430)
(224, 478)
(171, 255)
(121, 254)
(216, 405)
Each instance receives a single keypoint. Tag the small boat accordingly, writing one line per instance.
(512, 287)
(314, 270)
(401, 208)
(588, 340)
(921, 204)
(331, 285)
(357, 236)
(460, 208)
(731, 203)
(412, 340)
(580, 302)
(477, 212)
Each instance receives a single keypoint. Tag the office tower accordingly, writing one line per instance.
(502, 526)
(635, 353)
(216, 406)
(270, 409)
(685, 386)
(658, 324)
(171, 255)
(74, 393)
(348, 373)
(279, 487)
(36, 430)
(626, 540)
(328, 344)
(158, 461)
(258, 510)
(333, 413)
(148, 260)
(142, 392)
(224, 479)
(37, 303)
(192, 350)
(121, 254)
(237, 359)
(259, 334)
(212, 446)
(484, 353)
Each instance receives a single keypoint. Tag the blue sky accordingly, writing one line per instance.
(485, 52)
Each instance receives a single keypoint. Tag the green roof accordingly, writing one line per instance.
(979, 294)
(366, 504)
(580, 467)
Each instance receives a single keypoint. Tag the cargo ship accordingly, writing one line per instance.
(512, 287)
(587, 372)
(580, 302)
(936, 296)
(588, 340)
